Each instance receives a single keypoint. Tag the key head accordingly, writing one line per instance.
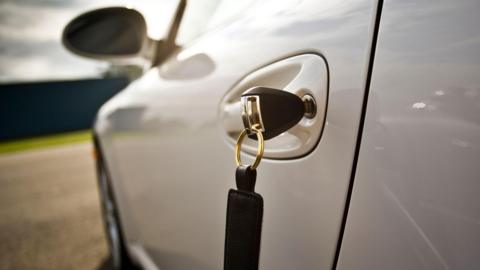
(273, 111)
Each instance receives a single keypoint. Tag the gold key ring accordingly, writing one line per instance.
(260, 149)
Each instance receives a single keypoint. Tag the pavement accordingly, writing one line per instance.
(49, 210)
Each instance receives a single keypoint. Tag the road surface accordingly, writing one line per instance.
(49, 210)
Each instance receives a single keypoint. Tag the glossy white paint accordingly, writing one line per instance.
(415, 202)
(172, 166)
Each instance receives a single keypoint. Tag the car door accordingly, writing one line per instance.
(169, 136)
(415, 202)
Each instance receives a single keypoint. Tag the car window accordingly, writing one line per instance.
(204, 15)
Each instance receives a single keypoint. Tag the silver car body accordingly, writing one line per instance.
(391, 183)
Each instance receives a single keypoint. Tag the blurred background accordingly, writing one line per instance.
(49, 206)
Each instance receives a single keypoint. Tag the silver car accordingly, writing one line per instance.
(382, 171)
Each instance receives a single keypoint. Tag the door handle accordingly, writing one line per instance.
(305, 77)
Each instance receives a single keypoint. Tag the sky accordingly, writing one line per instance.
(30, 32)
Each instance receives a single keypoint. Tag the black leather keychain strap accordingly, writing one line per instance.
(244, 223)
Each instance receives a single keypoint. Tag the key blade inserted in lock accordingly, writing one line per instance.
(273, 111)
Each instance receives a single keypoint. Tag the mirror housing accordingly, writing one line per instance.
(115, 34)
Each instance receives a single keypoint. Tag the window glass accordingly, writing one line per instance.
(204, 15)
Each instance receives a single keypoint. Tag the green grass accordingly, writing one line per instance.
(45, 141)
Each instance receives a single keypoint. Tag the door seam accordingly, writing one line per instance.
(360, 130)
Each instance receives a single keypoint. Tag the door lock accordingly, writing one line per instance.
(301, 78)
(274, 111)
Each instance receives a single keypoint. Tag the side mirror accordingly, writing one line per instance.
(113, 34)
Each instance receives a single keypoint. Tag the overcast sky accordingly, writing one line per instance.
(30, 32)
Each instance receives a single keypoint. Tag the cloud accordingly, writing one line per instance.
(44, 3)
(42, 60)
(30, 46)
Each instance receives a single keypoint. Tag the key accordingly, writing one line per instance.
(274, 111)
(266, 113)
(244, 223)
(244, 213)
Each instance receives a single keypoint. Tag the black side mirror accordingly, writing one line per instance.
(119, 34)
(114, 33)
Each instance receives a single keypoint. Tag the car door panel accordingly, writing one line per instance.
(172, 163)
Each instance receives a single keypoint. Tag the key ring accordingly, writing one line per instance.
(260, 149)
